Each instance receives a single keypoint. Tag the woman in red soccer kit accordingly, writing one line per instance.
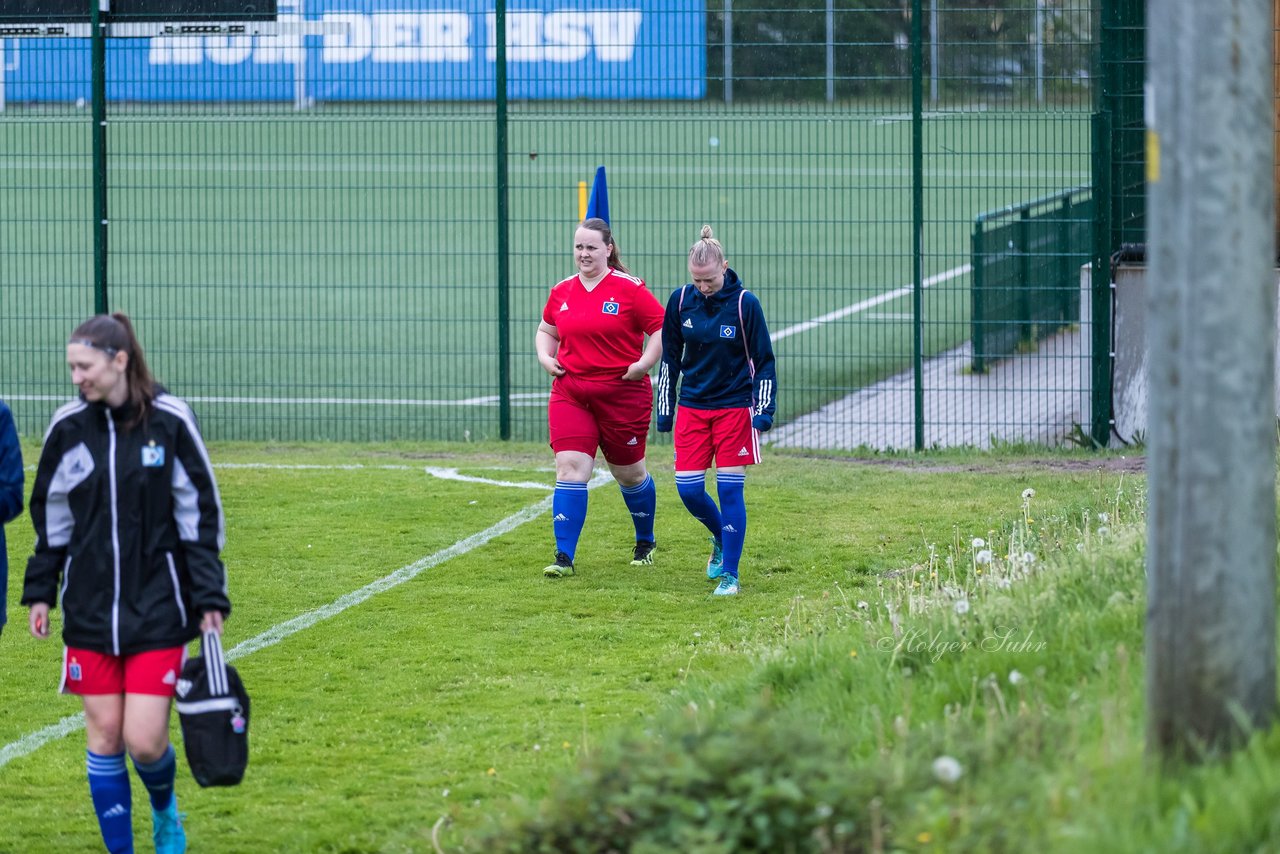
(592, 341)
(128, 532)
(716, 343)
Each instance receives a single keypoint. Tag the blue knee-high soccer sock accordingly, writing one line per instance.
(642, 501)
(692, 487)
(109, 789)
(733, 510)
(568, 513)
(158, 777)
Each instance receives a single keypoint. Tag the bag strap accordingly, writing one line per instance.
(215, 664)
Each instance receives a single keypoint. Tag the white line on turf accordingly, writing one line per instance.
(866, 304)
(32, 742)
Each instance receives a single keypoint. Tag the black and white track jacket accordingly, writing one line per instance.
(128, 528)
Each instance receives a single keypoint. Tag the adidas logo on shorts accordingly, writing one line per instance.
(633, 441)
(744, 453)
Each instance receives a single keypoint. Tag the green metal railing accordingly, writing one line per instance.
(1026, 272)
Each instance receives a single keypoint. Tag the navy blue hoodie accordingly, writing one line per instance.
(11, 476)
(718, 348)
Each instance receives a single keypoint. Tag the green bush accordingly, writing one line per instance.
(745, 781)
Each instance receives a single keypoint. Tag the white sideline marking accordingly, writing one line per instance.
(434, 471)
(452, 474)
(867, 303)
(32, 742)
(521, 399)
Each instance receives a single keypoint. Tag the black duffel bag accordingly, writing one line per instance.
(213, 709)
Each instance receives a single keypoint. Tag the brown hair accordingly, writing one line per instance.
(707, 250)
(113, 333)
(599, 225)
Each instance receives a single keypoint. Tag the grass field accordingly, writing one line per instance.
(409, 664)
(334, 274)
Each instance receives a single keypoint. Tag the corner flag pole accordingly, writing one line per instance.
(598, 203)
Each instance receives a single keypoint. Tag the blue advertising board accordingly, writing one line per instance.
(391, 50)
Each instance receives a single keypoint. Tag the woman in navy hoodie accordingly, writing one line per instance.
(10, 493)
(714, 335)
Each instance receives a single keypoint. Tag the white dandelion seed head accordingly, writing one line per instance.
(1015, 678)
(537, 747)
(1104, 518)
(983, 557)
(1028, 494)
(1079, 547)
(947, 769)
(862, 605)
(1103, 531)
(962, 606)
(1028, 557)
(978, 542)
(1003, 583)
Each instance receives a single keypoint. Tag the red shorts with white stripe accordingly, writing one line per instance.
(612, 415)
(152, 672)
(725, 435)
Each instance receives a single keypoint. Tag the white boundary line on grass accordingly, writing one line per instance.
(872, 302)
(32, 742)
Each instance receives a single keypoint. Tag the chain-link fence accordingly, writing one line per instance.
(343, 224)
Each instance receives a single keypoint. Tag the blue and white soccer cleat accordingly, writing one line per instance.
(167, 832)
(715, 564)
(728, 586)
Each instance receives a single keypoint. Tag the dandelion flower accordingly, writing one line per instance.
(853, 653)
(924, 837)
(978, 542)
(1015, 678)
(492, 771)
(947, 769)
(983, 557)
(962, 606)
(566, 745)
(1028, 494)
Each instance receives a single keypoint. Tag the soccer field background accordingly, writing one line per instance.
(334, 274)
(408, 662)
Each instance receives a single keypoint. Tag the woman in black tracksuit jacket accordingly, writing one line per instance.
(129, 527)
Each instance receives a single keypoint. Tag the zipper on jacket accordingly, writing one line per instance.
(115, 534)
(177, 592)
(66, 579)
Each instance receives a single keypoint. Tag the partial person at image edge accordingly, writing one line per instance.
(11, 482)
(129, 528)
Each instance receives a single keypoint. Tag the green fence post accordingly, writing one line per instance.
(98, 90)
(1100, 285)
(1026, 323)
(977, 321)
(917, 213)
(504, 245)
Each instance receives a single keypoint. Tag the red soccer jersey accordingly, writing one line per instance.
(602, 330)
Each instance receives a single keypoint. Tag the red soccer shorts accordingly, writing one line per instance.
(612, 415)
(152, 672)
(723, 434)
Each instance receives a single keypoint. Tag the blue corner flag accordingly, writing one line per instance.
(598, 203)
